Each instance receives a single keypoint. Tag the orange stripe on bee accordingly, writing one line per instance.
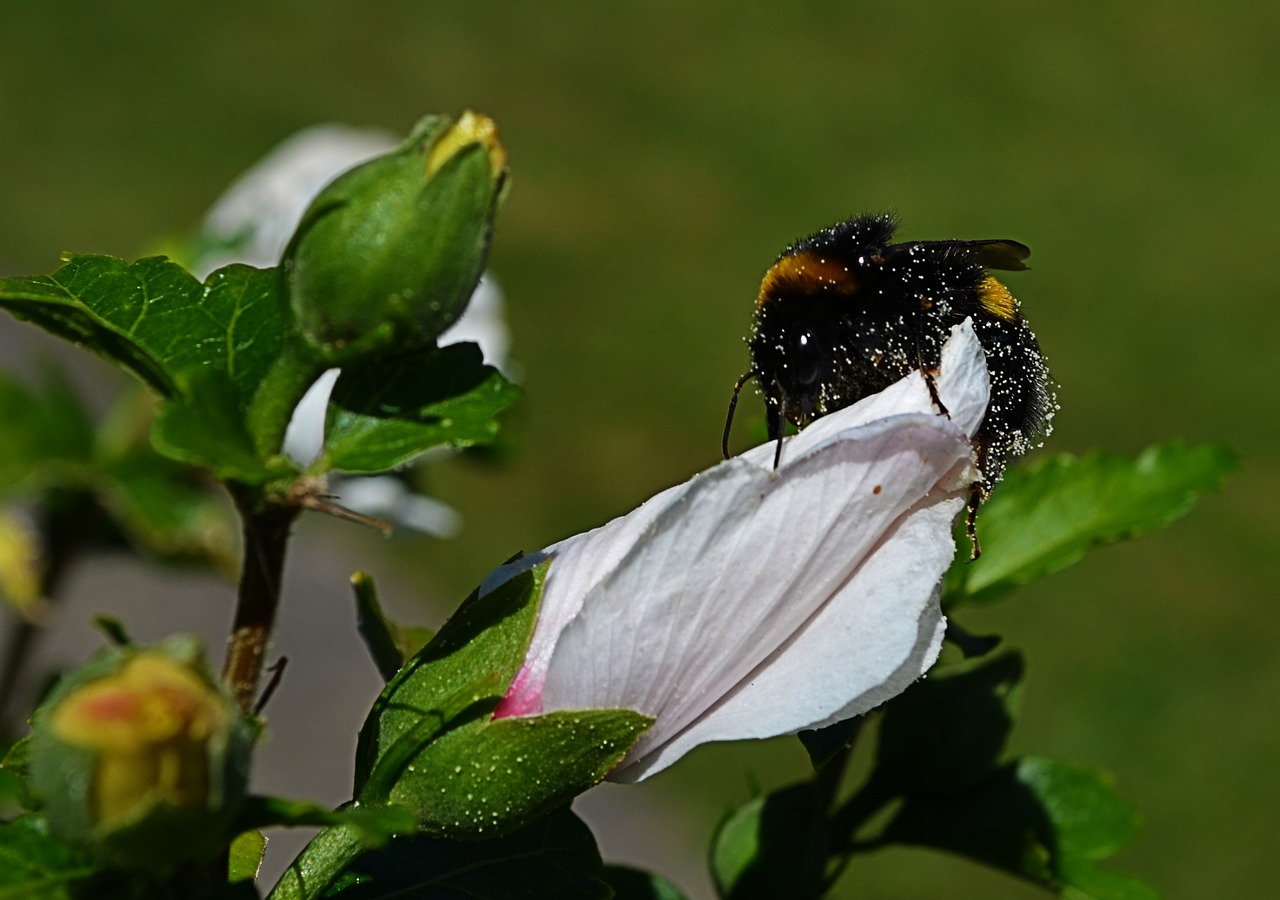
(995, 298)
(806, 272)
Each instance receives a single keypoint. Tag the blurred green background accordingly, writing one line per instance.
(662, 154)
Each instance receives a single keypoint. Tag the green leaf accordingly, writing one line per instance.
(169, 510)
(383, 414)
(947, 731)
(632, 884)
(1046, 517)
(14, 787)
(372, 825)
(209, 430)
(1047, 821)
(245, 858)
(47, 433)
(36, 866)
(773, 846)
(553, 857)
(390, 644)
(156, 320)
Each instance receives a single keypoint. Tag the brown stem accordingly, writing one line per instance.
(266, 535)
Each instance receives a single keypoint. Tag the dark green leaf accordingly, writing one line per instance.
(553, 857)
(46, 432)
(632, 884)
(947, 731)
(773, 846)
(36, 866)
(1047, 516)
(1047, 821)
(390, 644)
(209, 430)
(822, 744)
(383, 414)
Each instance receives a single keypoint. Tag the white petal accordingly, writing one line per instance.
(737, 566)
(876, 636)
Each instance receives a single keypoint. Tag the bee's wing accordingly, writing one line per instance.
(1005, 254)
(1008, 255)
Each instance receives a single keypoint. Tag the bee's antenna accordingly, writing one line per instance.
(733, 404)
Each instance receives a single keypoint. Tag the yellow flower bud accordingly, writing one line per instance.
(140, 757)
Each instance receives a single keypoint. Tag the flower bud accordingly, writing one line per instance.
(389, 253)
(140, 758)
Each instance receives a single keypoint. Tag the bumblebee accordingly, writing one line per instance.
(846, 312)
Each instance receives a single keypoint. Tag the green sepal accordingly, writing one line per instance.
(431, 743)
(385, 413)
(1045, 517)
(489, 777)
(461, 674)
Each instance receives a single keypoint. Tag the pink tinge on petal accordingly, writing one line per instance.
(524, 697)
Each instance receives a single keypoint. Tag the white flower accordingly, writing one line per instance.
(749, 603)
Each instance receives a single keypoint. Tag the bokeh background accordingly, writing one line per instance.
(662, 154)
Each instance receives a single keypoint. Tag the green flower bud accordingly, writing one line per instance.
(387, 256)
(140, 758)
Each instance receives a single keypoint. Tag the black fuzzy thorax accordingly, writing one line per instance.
(821, 344)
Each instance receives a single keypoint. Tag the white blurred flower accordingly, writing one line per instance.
(749, 603)
(252, 222)
(255, 217)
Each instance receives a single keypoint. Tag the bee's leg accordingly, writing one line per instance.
(977, 494)
(928, 372)
(773, 423)
(733, 404)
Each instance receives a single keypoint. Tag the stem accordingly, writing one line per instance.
(283, 385)
(319, 864)
(266, 535)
